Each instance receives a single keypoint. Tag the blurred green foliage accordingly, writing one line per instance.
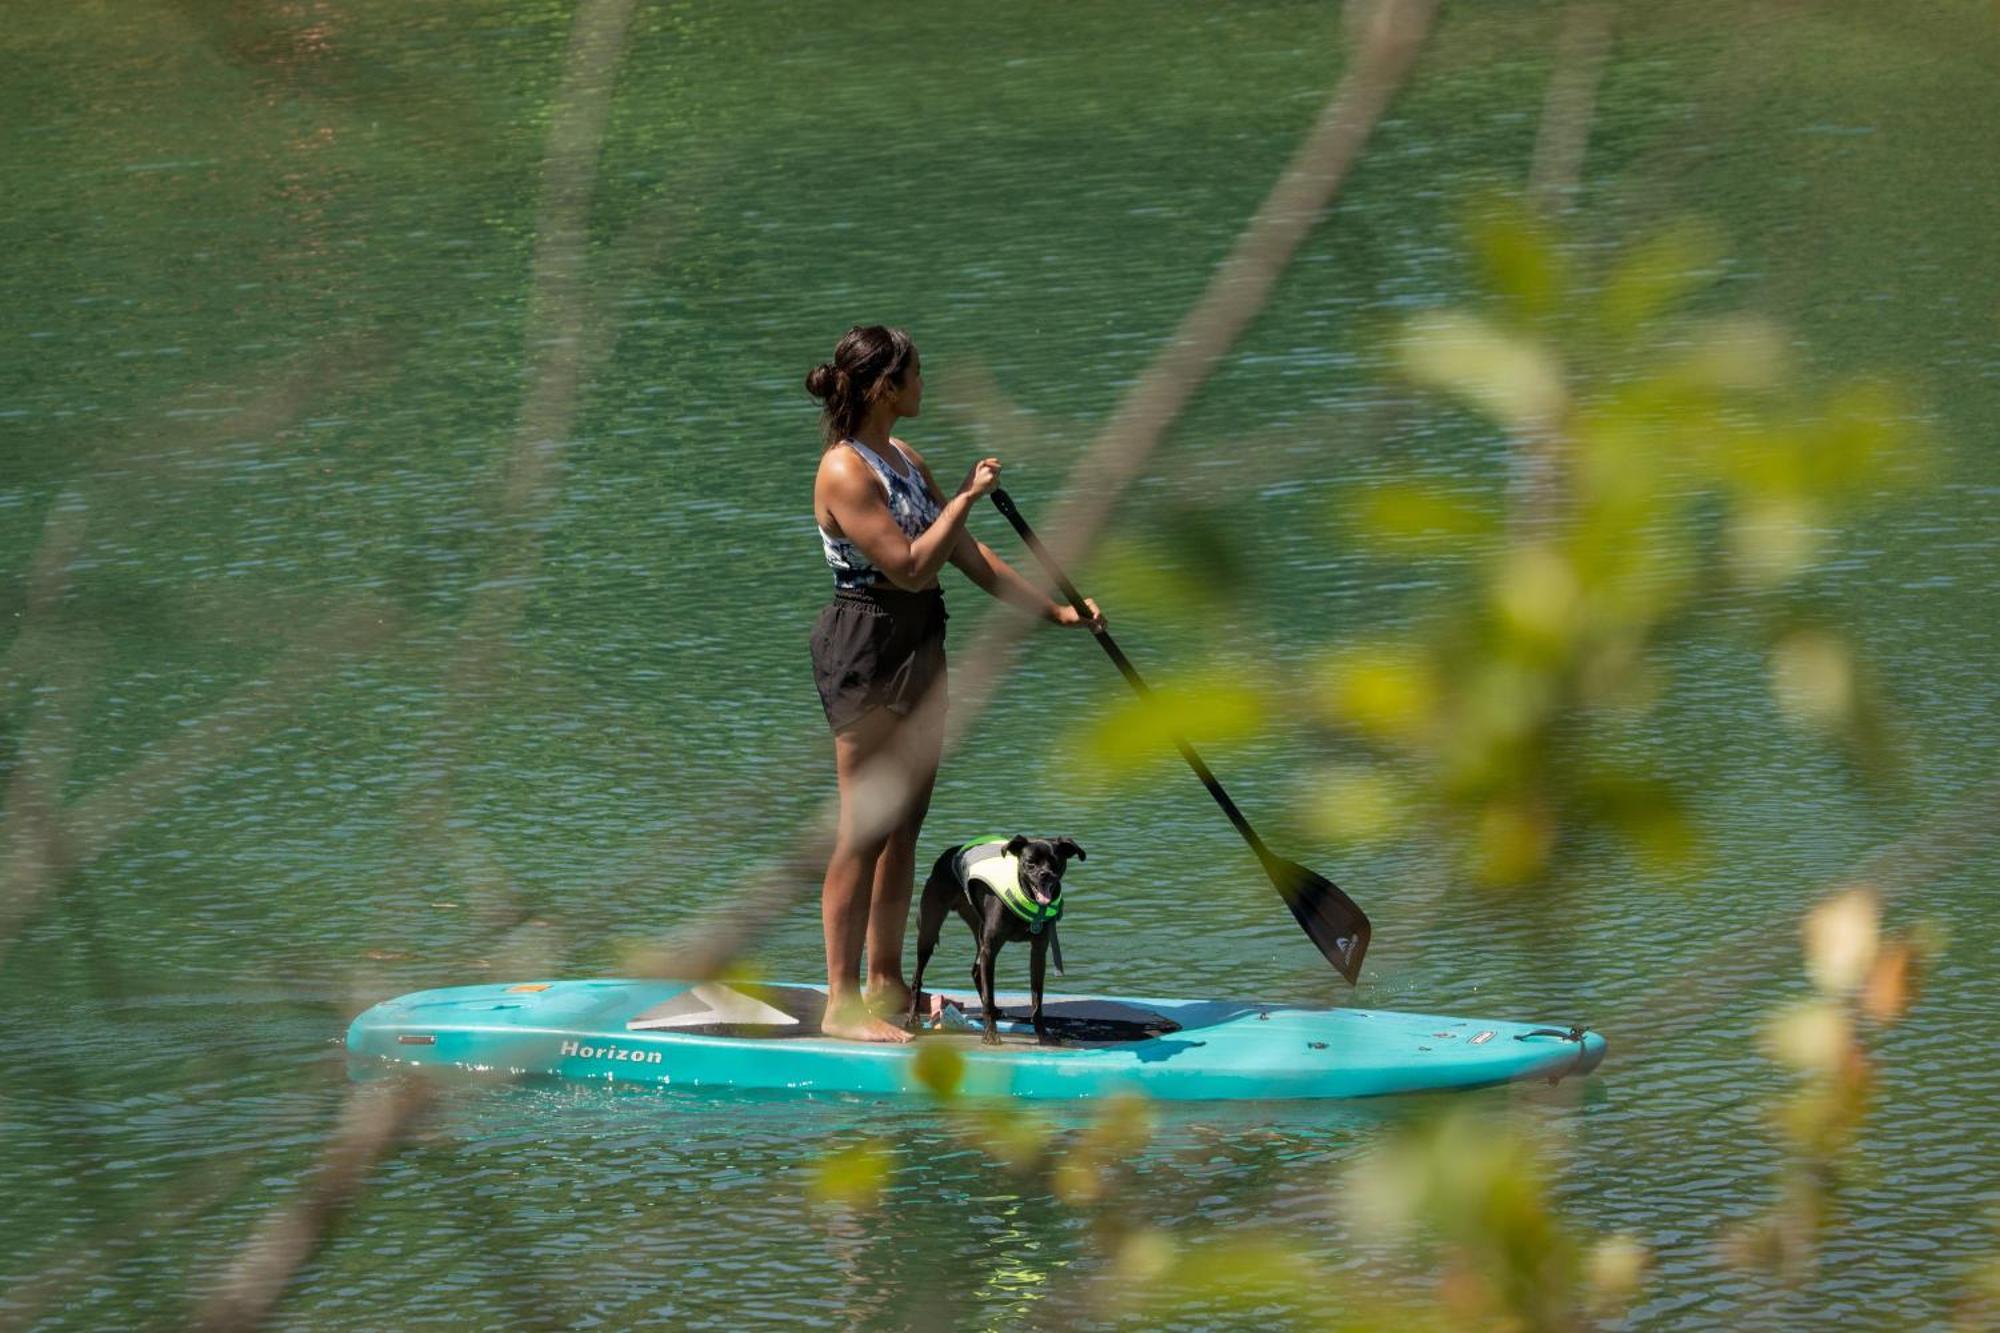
(853, 1175)
(1457, 1205)
(1464, 1196)
(1664, 458)
(1861, 979)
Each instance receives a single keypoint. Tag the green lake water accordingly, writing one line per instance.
(338, 714)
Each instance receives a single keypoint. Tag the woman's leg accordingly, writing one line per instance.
(851, 874)
(919, 742)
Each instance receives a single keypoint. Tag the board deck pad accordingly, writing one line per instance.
(712, 1009)
(753, 1035)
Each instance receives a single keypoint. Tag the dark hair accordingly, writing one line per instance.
(868, 362)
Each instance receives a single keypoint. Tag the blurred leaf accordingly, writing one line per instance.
(1478, 1186)
(853, 1175)
(1421, 517)
(1509, 376)
(1978, 1308)
(1892, 983)
(1145, 1257)
(1812, 674)
(1862, 439)
(1077, 1180)
(1617, 1267)
(1388, 693)
(1659, 273)
(1139, 732)
(1773, 541)
(1124, 1125)
(1500, 709)
(1768, 1243)
(1616, 459)
(1820, 1121)
(1018, 1138)
(1615, 674)
(1736, 352)
(1631, 574)
(1536, 596)
(1351, 804)
(1811, 1035)
(1248, 1277)
(1648, 812)
(1517, 257)
(1842, 934)
(939, 1067)
(1512, 843)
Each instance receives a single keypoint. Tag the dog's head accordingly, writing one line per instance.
(1041, 864)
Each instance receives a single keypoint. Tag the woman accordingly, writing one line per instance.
(878, 655)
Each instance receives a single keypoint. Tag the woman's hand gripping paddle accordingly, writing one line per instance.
(1331, 919)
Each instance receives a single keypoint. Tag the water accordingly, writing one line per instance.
(267, 298)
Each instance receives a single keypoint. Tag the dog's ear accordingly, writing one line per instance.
(1016, 845)
(1068, 847)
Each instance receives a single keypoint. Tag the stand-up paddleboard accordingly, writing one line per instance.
(734, 1035)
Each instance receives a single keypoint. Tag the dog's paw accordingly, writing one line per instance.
(1049, 1039)
(990, 1039)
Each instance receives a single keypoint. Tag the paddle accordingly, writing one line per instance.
(1337, 927)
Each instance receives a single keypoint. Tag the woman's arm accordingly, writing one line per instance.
(977, 561)
(847, 492)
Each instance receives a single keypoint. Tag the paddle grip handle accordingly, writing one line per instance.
(1005, 504)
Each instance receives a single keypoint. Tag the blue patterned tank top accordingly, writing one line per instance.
(910, 504)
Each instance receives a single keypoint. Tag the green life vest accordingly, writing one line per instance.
(988, 862)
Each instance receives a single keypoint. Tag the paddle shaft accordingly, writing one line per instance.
(1005, 504)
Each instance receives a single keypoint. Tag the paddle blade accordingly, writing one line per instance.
(1337, 926)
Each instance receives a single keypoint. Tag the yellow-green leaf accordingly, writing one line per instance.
(1512, 377)
(853, 1175)
(1387, 693)
(1659, 273)
(1352, 804)
(938, 1067)
(1518, 259)
(1139, 732)
(1421, 516)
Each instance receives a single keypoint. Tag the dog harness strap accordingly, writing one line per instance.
(988, 862)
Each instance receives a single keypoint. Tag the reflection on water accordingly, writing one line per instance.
(267, 308)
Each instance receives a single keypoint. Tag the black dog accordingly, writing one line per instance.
(974, 879)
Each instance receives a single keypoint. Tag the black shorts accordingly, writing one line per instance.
(878, 647)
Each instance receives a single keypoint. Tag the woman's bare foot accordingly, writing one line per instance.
(853, 1022)
(888, 999)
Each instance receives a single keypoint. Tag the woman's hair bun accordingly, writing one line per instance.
(868, 362)
(822, 379)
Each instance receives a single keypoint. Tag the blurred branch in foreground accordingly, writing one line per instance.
(1582, 49)
(565, 339)
(376, 1118)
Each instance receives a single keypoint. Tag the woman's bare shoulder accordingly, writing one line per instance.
(918, 459)
(841, 461)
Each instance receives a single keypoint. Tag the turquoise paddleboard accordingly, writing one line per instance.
(738, 1035)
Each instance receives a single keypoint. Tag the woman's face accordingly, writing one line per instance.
(908, 397)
